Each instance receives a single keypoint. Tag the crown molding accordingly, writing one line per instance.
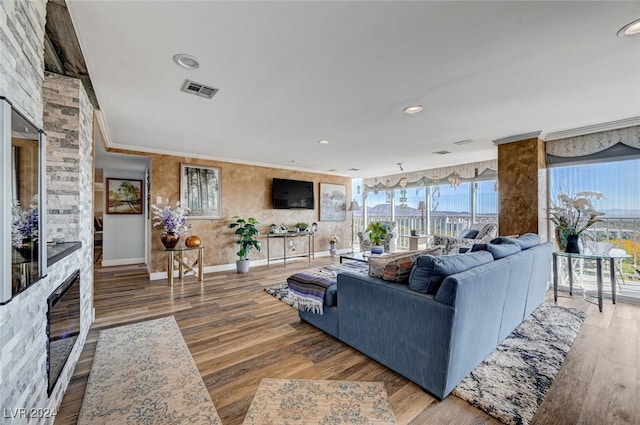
(595, 128)
(517, 138)
(137, 150)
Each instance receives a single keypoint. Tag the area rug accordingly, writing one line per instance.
(144, 374)
(304, 402)
(512, 382)
(281, 292)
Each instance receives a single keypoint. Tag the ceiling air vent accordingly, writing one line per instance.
(443, 152)
(198, 89)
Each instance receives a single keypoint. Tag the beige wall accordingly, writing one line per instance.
(246, 191)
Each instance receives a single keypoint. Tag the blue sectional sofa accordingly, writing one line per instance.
(437, 339)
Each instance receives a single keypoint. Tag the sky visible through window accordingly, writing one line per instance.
(619, 181)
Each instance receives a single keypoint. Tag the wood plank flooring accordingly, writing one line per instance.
(238, 335)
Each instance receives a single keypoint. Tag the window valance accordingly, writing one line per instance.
(603, 146)
(475, 171)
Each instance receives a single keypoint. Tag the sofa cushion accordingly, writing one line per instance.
(331, 296)
(399, 269)
(469, 233)
(498, 251)
(430, 271)
(525, 241)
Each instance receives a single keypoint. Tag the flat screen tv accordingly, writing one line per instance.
(290, 194)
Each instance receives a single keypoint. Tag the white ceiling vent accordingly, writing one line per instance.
(198, 89)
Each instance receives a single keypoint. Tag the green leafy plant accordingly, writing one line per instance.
(246, 231)
(302, 226)
(377, 232)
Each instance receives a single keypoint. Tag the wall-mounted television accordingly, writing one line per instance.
(290, 194)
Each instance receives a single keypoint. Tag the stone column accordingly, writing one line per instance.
(522, 185)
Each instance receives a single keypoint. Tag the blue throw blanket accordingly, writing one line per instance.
(307, 288)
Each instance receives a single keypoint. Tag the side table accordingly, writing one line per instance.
(182, 266)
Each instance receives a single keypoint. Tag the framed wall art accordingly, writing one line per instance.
(124, 196)
(333, 202)
(201, 191)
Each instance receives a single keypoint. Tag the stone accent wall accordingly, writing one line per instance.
(23, 354)
(62, 121)
(22, 55)
(523, 192)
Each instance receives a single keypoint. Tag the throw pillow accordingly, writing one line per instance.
(469, 233)
(429, 271)
(498, 251)
(528, 240)
(377, 263)
(399, 269)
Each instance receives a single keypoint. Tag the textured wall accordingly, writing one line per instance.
(246, 191)
(22, 55)
(522, 187)
(23, 352)
(62, 121)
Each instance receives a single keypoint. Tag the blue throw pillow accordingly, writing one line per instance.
(468, 233)
(498, 251)
(525, 241)
(430, 271)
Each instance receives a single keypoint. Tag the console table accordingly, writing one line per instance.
(183, 266)
(286, 236)
(557, 256)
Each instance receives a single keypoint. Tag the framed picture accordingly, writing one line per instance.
(124, 196)
(201, 191)
(333, 202)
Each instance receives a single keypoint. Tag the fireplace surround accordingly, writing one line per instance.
(63, 326)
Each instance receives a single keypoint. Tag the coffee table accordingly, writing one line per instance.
(355, 256)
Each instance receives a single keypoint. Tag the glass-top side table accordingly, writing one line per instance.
(176, 258)
(558, 256)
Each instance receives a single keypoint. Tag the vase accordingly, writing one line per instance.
(28, 250)
(170, 239)
(561, 239)
(332, 248)
(572, 244)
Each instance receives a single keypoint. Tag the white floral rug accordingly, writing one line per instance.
(304, 402)
(144, 374)
(511, 383)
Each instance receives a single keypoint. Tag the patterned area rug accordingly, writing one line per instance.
(144, 374)
(281, 292)
(512, 382)
(302, 402)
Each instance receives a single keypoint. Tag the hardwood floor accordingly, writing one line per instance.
(238, 334)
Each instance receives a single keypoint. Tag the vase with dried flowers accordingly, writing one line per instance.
(572, 216)
(173, 222)
(333, 240)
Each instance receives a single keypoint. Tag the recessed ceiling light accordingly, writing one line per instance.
(186, 61)
(324, 142)
(413, 109)
(632, 28)
(442, 152)
(332, 169)
(463, 142)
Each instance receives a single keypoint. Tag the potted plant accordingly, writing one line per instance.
(377, 233)
(302, 226)
(247, 232)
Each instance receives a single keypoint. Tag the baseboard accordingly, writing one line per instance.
(122, 262)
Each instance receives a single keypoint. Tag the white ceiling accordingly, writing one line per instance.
(293, 73)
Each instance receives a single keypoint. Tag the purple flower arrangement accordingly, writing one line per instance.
(172, 220)
(24, 224)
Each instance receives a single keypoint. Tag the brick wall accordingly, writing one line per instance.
(23, 376)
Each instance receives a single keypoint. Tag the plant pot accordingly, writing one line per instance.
(377, 249)
(243, 266)
(572, 244)
(170, 239)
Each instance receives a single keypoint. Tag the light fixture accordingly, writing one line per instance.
(413, 109)
(324, 142)
(186, 61)
(403, 182)
(454, 179)
(632, 28)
